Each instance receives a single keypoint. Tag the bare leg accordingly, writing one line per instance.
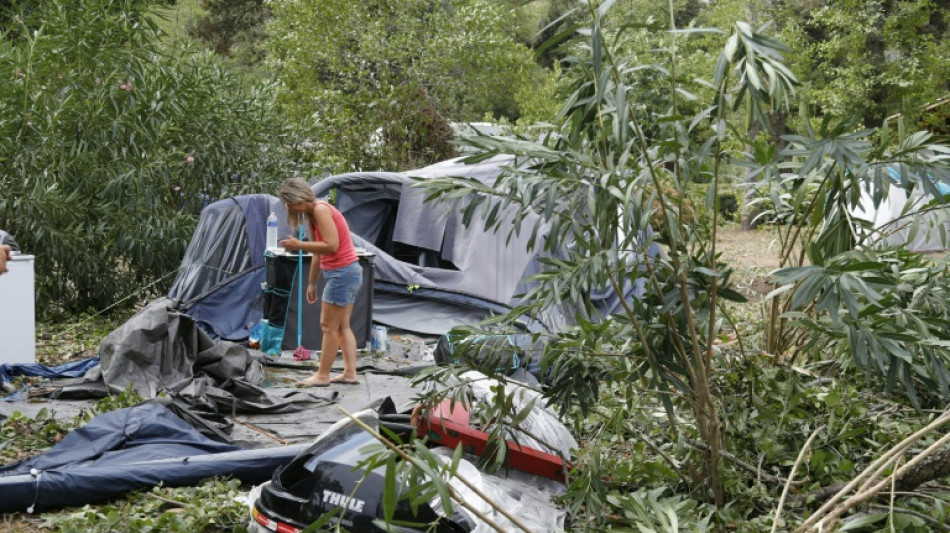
(330, 319)
(348, 342)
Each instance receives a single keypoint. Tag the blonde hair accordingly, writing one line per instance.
(296, 190)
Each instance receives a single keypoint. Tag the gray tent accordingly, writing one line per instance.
(433, 272)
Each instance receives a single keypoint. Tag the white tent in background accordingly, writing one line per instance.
(899, 218)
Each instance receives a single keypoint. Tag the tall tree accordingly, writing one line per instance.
(111, 144)
(355, 73)
(870, 58)
(233, 28)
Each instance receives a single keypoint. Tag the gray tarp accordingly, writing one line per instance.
(162, 349)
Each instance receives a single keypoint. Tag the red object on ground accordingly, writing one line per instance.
(448, 425)
(301, 354)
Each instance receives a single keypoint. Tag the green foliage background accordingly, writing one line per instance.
(112, 143)
(373, 84)
(113, 134)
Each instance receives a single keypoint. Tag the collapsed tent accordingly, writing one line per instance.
(903, 218)
(432, 272)
(129, 449)
(162, 350)
(219, 281)
(67, 370)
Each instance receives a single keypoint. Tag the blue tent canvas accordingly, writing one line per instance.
(432, 272)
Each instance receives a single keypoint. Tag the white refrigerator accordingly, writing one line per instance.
(18, 312)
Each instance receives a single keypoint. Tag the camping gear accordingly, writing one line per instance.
(18, 311)
(125, 450)
(326, 478)
(301, 353)
(431, 272)
(282, 311)
(449, 424)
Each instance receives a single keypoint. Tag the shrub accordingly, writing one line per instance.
(112, 145)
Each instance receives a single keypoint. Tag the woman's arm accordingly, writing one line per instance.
(313, 277)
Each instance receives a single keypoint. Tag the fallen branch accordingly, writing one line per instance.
(261, 431)
(777, 480)
(931, 468)
(828, 514)
(791, 476)
(935, 524)
(166, 500)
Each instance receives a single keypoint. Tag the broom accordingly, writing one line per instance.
(301, 353)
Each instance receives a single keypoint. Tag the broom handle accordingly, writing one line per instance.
(300, 285)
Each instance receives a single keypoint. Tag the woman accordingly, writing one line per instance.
(341, 269)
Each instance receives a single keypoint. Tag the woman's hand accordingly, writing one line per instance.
(311, 293)
(291, 244)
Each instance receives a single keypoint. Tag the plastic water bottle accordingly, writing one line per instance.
(272, 232)
(378, 339)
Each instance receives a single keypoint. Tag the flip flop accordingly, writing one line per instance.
(307, 384)
(345, 382)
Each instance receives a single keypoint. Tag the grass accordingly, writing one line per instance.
(61, 341)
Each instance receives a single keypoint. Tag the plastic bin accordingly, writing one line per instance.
(280, 301)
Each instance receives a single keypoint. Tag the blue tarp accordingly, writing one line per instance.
(68, 370)
(219, 281)
(125, 450)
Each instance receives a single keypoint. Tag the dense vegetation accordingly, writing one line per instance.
(697, 411)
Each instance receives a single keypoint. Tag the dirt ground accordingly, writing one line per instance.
(752, 254)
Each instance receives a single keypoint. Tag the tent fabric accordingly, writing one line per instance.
(445, 273)
(892, 220)
(428, 317)
(219, 280)
(121, 436)
(416, 224)
(472, 262)
(124, 450)
(67, 370)
(161, 349)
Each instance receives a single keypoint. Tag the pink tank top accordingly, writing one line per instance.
(345, 252)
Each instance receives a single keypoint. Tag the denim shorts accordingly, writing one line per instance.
(342, 284)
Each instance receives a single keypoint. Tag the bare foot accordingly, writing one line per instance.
(345, 380)
(313, 382)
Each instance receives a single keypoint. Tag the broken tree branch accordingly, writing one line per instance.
(828, 513)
